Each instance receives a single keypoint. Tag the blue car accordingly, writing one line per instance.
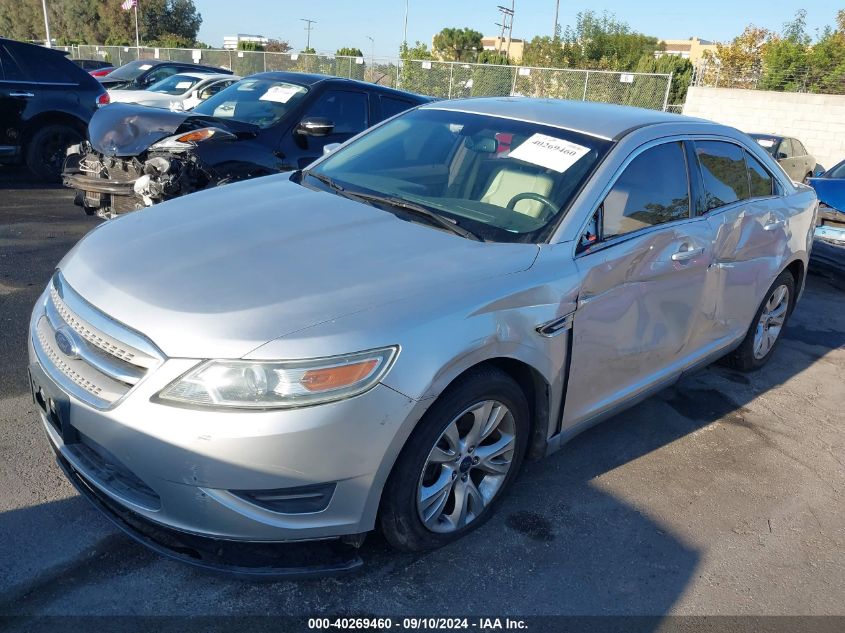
(829, 248)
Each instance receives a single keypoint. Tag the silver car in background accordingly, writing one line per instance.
(381, 339)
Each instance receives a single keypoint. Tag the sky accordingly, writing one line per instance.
(342, 23)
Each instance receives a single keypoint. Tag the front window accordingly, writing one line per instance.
(174, 85)
(262, 102)
(504, 180)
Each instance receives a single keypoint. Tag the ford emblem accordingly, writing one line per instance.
(66, 343)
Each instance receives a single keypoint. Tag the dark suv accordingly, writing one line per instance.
(143, 73)
(46, 102)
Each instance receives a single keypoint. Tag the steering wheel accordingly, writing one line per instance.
(530, 195)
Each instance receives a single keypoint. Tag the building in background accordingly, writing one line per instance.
(692, 49)
(231, 42)
(496, 43)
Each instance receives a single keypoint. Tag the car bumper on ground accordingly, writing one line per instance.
(258, 476)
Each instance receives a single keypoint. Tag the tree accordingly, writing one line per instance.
(826, 60)
(274, 45)
(348, 51)
(545, 52)
(458, 45)
(101, 22)
(605, 42)
(740, 63)
(250, 46)
(785, 57)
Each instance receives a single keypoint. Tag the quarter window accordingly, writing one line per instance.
(723, 171)
(762, 184)
(653, 189)
(391, 106)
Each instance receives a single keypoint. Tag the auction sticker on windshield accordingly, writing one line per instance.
(280, 94)
(549, 152)
(766, 142)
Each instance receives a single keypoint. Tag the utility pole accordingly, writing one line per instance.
(47, 24)
(372, 50)
(308, 29)
(557, 9)
(137, 35)
(507, 25)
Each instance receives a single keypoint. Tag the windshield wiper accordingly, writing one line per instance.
(324, 179)
(447, 223)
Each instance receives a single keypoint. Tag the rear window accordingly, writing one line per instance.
(46, 66)
(9, 70)
(760, 180)
(723, 171)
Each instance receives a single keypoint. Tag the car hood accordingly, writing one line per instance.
(123, 129)
(831, 191)
(221, 272)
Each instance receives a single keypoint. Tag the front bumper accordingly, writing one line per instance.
(188, 469)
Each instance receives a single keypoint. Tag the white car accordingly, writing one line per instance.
(182, 91)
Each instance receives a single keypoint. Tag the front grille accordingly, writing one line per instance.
(102, 360)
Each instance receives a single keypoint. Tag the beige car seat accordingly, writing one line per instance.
(509, 182)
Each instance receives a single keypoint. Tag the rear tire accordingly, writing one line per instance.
(807, 178)
(45, 152)
(766, 329)
(441, 455)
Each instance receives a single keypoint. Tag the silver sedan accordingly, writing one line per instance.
(381, 339)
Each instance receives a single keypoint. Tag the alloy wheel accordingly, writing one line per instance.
(467, 467)
(771, 321)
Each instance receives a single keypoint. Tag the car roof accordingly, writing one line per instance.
(204, 75)
(312, 79)
(603, 120)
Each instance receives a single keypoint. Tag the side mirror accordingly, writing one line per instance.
(315, 126)
(328, 148)
(780, 156)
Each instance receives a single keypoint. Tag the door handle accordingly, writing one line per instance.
(774, 224)
(25, 95)
(684, 256)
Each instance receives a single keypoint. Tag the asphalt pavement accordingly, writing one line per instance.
(722, 495)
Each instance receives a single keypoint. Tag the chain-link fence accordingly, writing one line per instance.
(446, 80)
(795, 78)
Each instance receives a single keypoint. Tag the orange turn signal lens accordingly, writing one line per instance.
(328, 378)
(196, 136)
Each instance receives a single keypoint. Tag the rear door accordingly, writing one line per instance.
(786, 158)
(806, 164)
(644, 309)
(748, 219)
(19, 101)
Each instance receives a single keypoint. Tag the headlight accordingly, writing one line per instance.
(247, 384)
(187, 140)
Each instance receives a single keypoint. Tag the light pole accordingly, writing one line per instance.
(557, 9)
(308, 30)
(405, 32)
(372, 49)
(47, 24)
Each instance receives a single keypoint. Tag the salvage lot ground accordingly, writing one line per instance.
(722, 495)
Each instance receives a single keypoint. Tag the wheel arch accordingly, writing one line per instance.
(52, 117)
(799, 273)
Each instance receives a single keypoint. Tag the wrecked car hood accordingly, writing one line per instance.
(123, 129)
(218, 273)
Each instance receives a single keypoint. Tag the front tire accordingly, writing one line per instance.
(766, 329)
(45, 152)
(463, 454)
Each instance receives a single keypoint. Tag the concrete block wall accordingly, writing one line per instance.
(818, 121)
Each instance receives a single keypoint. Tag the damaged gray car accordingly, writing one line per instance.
(137, 156)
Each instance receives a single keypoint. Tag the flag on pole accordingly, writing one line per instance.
(128, 5)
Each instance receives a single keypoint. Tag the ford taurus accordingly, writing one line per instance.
(380, 339)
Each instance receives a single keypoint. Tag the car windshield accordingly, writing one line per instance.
(768, 143)
(262, 102)
(131, 70)
(504, 180)
(174, 85)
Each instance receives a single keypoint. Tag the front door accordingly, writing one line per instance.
(644, 308)
(348, 110)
